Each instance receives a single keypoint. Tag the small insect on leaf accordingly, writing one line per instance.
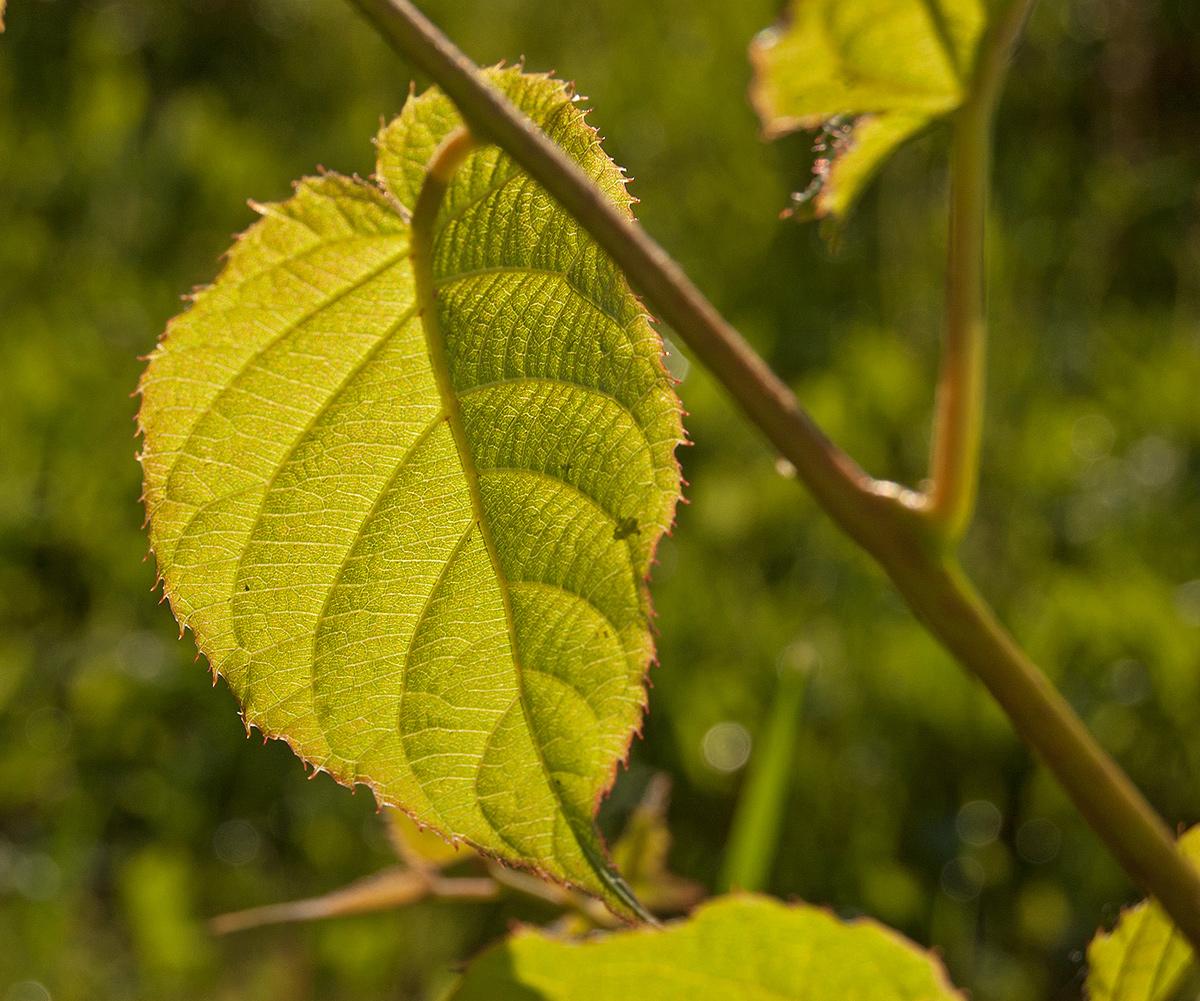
(401, 528)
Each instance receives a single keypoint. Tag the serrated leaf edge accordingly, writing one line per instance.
(376, 188)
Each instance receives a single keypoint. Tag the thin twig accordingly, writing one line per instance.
(384, 890)
(559, 896)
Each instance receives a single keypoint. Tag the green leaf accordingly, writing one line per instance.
(737, 948)
(869, 73)
(419, 847)
(1144, 958)
(436, 592)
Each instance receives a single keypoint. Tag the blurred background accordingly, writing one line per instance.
(133, 806)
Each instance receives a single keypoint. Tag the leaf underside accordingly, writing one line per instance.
(1144, 958)
(889, 68)
(738, 948)
(452, 613)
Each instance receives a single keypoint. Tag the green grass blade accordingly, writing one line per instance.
(754, 837)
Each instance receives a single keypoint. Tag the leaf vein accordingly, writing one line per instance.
(286, 332)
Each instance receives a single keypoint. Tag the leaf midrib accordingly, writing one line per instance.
(427, 304)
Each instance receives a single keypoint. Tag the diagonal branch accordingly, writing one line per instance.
(837, 481)
(888, 521)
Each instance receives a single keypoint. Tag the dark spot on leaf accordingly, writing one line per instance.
(626, 528)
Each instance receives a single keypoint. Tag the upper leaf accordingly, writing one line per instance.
(437, 592)
(1144, 958)
(737, 948)
(877, 71)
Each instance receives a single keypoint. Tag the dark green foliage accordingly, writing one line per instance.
(130, 135)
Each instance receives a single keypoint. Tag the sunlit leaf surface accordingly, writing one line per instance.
(872, 73)
(737, 948)
(1144, 958)
(437, 592)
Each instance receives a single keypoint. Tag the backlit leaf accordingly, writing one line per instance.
(737, 948)
(418, 847)
(1144, 958)
(877, 72)
(439, 593)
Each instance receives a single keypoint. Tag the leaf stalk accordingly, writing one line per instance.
(958, 415)
(961, 391)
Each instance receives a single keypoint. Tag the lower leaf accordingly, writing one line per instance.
(1145, 957)
(736, 948)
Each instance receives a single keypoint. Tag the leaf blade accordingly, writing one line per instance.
(895, 65)
(1144, 958)
(742, 947)
(414, 571)
(873, 139)
(837, 58)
